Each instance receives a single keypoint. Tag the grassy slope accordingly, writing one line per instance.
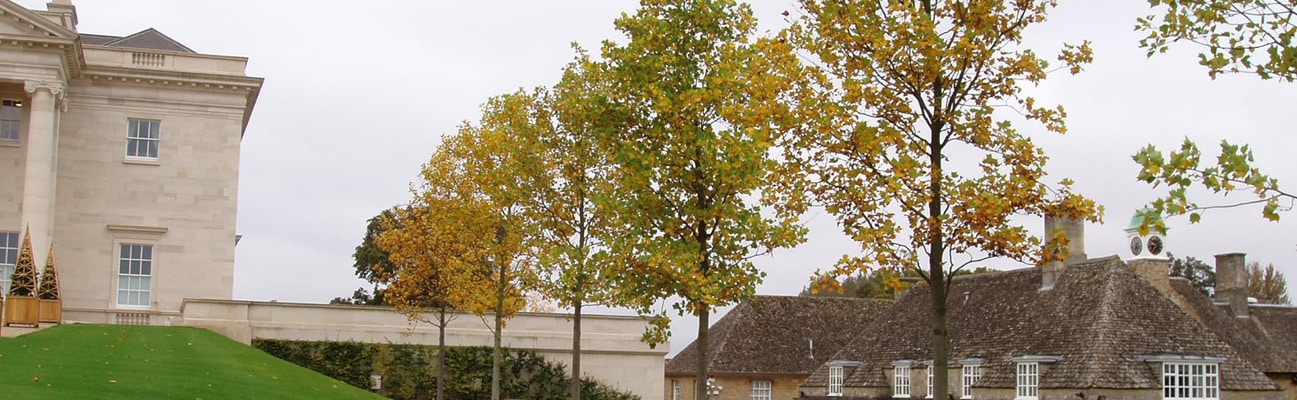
(145, 362)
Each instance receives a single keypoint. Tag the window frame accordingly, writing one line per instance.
(837, 376)
(132, 142)
(901, 381)
(931, 370)
(968, 376)
(759, 392)
(1027, 380)
(149, 293)
(675, 389)
(7, 268)
(4, 123)
(1192, 380)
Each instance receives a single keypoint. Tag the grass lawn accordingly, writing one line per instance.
(83, 361)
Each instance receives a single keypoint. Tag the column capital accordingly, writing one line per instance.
(56, 88)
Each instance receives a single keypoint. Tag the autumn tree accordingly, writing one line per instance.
(501, 160)
(898, 135)
(1267, 285)
(568, 231)
(878, 283)
(866, 286)
(874, 284)
(434, 267)
(691, 158)
(1237, 36)
(462, 235)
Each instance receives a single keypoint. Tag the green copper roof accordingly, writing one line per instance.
(1138, 219)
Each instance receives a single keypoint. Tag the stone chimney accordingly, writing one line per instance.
(1074, 229)
(1156, 272)
(64, 7)
(1231, 282)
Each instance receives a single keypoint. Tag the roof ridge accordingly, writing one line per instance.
(1099, 326)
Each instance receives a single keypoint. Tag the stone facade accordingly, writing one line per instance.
(75, 179)
(611, 350)
(736, 387)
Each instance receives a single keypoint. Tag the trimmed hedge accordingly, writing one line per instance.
(410, 371)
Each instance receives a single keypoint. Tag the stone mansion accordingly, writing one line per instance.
(122, 155)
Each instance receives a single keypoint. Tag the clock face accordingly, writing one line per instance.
(1155, 245)
(1136, 246)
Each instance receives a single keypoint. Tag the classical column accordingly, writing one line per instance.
(39, 172)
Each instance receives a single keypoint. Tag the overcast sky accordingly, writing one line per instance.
(357, 95)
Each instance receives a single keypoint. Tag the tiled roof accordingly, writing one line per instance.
(1268, 339)
(772, 335)
(1100, 318)
(98, 40)
(146, 39)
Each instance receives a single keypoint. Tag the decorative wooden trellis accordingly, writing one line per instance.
(22, 308)
(51, 303)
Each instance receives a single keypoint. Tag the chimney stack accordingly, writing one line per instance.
(1231, 282)
(66, 8)
(1074, 229)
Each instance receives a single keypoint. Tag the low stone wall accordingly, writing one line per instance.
(610, 345)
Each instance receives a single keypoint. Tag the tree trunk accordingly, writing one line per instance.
(937, 251)
(576, 351)
(940, 335)
(700, 379)
(495, 352)
(441, 353)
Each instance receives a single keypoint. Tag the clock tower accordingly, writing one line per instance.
(1150, 246)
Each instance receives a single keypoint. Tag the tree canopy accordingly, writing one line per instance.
(1182, 170)
(691, 148)
(897, 134)
(1239, 36)
(1267, 285)
(1200, 274)
(370, 259)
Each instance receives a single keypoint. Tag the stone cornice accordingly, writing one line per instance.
(73, 62)
(171, 78)
(249, 85)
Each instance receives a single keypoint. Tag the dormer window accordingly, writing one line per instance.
(1028, 379)
(901, 380)
(835, 380)
(970, 372)
(1189, 377)
(837, 375)
(1190, 381)
(930, 369)
(1027, 376)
